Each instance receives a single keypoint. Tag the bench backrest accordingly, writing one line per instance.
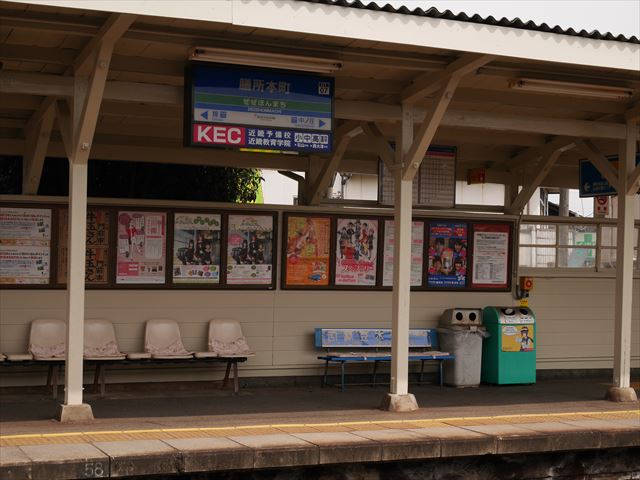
(372, 338)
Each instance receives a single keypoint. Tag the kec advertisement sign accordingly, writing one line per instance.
(257, 109)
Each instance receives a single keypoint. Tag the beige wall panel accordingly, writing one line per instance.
(575, 323)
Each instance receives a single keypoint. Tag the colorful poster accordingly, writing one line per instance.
(97, 254)
(356, 252)
(518, 338)
(250, 250)
(196, 248)
(142, 240)
(490, 256)
(417, 248)
(447, 255)
(308, 248)
(25, 246)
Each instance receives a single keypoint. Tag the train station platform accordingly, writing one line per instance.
(178, 429)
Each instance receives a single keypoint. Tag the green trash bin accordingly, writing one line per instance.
(509, 354)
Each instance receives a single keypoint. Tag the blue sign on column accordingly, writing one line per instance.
(262, 109)
(593, 183)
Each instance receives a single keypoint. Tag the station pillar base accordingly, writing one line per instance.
(74, 413)
(399, 403)
(621, 394)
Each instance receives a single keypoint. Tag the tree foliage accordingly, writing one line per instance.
(117, 179)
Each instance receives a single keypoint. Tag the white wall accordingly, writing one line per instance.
(575, 322)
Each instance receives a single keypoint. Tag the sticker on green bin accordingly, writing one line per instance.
(517, 338)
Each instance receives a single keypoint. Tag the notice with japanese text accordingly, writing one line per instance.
(25, 246)
(97, 253)
(417, 249)
(490, 256)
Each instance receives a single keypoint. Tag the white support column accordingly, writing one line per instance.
(621, 390)
(399, 399)
(78, 138)
(75, 283)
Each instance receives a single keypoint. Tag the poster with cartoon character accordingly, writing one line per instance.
(517, 338)
(357, 251)
(308, 248)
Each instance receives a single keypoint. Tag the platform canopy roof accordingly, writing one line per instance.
(387, 57)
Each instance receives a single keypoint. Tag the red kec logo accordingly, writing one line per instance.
(219, 134)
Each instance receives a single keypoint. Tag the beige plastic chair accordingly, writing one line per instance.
(47, 343)
(227, 342)
(163, 341)
(48, 339)
(100, 341)
(100, 346)
(226, 339)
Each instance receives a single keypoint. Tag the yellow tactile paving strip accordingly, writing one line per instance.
(196, 432)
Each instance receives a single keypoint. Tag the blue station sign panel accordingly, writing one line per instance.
(254, 108)
(593, 183)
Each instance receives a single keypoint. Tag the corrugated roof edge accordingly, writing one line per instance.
(490, 20)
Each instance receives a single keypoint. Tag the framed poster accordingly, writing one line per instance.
(97, 254)
(447, 266)
(356, 251)
(258, 108)
(25, 246)
(417, 253)
(490, 267)
(250, 242)
(308, 248)
(142, 238)
(196, 248)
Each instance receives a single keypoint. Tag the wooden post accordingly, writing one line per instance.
(399, 399)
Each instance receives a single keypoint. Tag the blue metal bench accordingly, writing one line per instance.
(373, 345)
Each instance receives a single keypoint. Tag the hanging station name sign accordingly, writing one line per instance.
(257, 109)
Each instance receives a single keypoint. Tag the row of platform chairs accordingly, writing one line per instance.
(162, 342)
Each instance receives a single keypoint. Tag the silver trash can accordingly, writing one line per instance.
(461, 332)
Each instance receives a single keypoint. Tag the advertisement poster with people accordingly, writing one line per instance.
(25, 246)
(417, 248)
(490, 256)
(196, 248)
(357, 251)
(447, 255)
(97, 253)
(308, 244)
(250, 250)
(517, 338)
(141, 247)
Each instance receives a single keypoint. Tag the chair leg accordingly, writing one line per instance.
(375, 372)
(96, 377)
(54, 380)
(441, 379)
(103, 374)
(226, 375)
(421, 371)
(236, 386)
(342, 376)
(49, 374)
(326, 372)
